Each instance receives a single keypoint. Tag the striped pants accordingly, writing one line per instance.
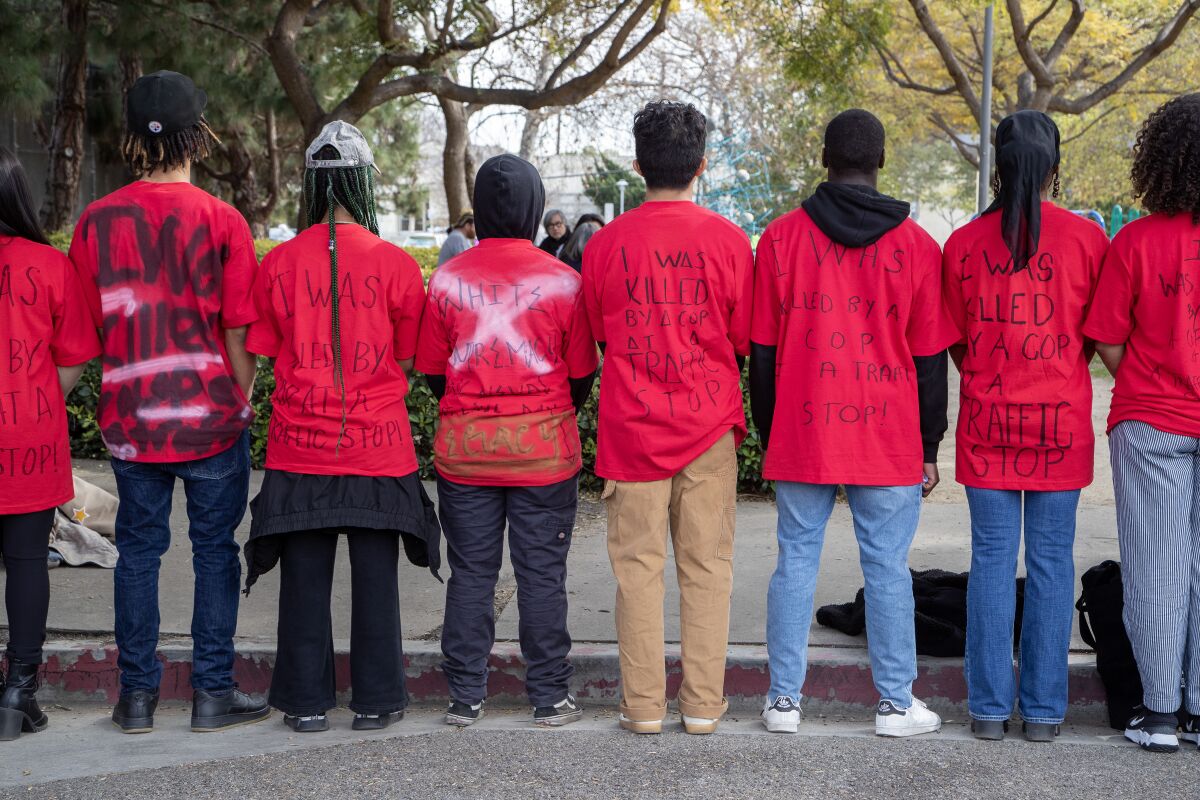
(1156, 476)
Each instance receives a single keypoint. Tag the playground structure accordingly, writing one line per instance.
(737, 184)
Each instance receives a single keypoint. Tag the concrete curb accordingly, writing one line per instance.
(839, 679)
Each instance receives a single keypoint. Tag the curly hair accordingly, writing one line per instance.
(145, 154)
(1166, 158)
(669, 141)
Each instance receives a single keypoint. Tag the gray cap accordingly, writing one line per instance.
(347, 140)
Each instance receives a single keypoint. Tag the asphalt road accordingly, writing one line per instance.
(503, 758)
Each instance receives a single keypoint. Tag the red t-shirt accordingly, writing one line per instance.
(667, 287)
(1149, 299)
(847, 323)
(380, 300)
(1025, 420)
(504, 323)
(166, 269)
(44, 324)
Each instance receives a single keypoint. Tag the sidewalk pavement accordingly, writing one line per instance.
(81, 608)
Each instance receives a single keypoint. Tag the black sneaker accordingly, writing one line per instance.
(462, 714)
(313, 723)
(134, 712)
(216, 711)
(375, 722)
(561, 713)
(1189, 729)
(1152, 731)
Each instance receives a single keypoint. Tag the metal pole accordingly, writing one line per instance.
(621, 184)
(985, 114)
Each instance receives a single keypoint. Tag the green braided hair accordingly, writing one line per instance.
(352, 188)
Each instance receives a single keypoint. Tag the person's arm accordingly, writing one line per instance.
(406, 366)
(437, 385)
(762, 389)
(932, 400)
(240, 359)
(69, 376)
(581, 390)
(1111, 355)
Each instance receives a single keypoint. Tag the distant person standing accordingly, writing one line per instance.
(167, 270)
(557, 231)
(849, 334)
(1018, 281)
(571, 253)
(667, 287)
(1145, 319)
(48, 336)
(461, 237)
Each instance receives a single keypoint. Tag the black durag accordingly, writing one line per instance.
(1026, 153)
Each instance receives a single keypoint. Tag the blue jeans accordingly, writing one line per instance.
(216, 489)
(992, 600)
(885, 521)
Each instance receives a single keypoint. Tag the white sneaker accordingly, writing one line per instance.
(699, 726)
(641, 726)
(782, 716)
(911, 721)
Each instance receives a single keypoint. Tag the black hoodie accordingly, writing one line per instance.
(856, 216)
(509, 199)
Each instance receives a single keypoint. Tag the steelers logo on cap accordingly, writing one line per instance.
(155, 126)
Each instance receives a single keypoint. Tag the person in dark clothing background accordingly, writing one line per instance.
(507, 450)
(554, 222)
(571, 253)
(848, 325)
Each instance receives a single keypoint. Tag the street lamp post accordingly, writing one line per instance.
(621, 184)
(985, 113)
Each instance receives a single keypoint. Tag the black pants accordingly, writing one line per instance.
(24, 542)
(540, 520)
(303, 682)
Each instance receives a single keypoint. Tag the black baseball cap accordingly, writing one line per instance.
(163, 102)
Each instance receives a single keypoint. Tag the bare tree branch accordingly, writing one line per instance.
(957, 74)
(971, 154)
(1034, 22)
(886, 58)
(292, 76)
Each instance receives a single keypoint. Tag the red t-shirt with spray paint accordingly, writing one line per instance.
(1148, 299)
(847, 322)
(1025, 420)
(505, 324)
(380, 301)
(44, 324)
(668, 287)
(166, 269)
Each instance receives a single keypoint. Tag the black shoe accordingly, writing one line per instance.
(19, 711)
(1189, 729)
(218, 711)
(310, 724)
(1152, 731)
(1039, 731)
(562, 713)
(992, 730)
(375, 722)
(134, 712)
(462, 715)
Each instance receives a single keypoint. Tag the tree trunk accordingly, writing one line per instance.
(131, 69)
(454, 158)
(70, 115)
(529, 134)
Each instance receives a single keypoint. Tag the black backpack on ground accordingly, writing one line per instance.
(1103, 629)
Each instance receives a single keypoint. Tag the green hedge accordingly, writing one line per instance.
(422, 415)
(426, 257)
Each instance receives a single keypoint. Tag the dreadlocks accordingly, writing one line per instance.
(145, 154)
(1166, 158)
(352, 188)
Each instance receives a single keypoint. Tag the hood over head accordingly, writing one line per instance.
(854, 215)
(1026, 151)
(509, 198)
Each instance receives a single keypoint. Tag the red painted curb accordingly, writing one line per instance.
(838, 678)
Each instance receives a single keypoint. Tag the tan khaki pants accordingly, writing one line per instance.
(698, 505)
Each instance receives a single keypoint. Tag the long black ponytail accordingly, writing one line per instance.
(17, 217)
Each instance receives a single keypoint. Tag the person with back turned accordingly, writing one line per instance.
(167, 270)
(849, 333)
